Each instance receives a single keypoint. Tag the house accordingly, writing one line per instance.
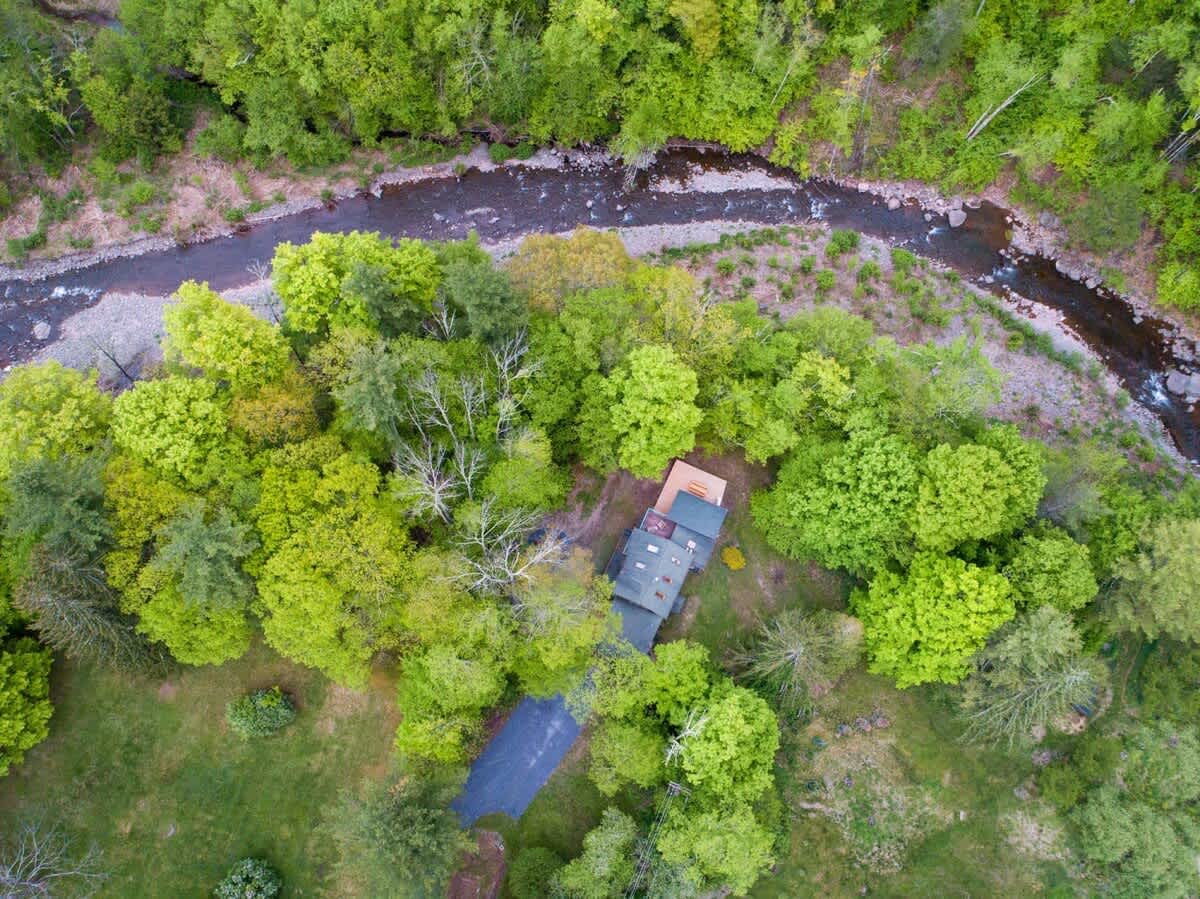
(676, 535)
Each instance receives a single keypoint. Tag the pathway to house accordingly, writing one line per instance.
(519, 760)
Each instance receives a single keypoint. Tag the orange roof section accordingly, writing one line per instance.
(695, 481)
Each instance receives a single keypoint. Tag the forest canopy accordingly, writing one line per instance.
(1093, 108)
(370, 478)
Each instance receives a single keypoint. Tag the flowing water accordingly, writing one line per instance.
(509, 202)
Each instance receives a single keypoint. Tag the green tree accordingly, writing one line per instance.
(723, 847)
(201, 550)
(24, 699)
(494, 310)
(320, 290)
(368, 394)
(926, 624)
(625, 752)
(48, 411)
(1033, 674)
(562, 612)
(642, 415)
(399, 838)
(800, 653)
(175, 426)
(72, 610)
(1049, 568)
(56, 504)
(227, 342)
(727, 750)
(526, 477)
(531, 871)
(605, 867)
(1159, 588)
(845, 505)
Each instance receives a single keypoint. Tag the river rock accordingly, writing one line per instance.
(928, 217)
(41, 330)
(956, 217)
(893, 203)
(863, 187)
(1187, 385)
(1049, 220)
(956, 203)
(1092, 283)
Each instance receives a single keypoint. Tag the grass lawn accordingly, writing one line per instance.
(149, 771)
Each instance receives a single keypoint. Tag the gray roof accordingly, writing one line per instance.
(639, 626)
(697, 515)
(652, 572)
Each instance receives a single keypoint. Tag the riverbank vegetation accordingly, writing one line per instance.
(1088, 111)
(291, 575)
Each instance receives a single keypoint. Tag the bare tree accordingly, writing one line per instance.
(442, 325)
(431, 403)
(513, 378)
(496, 551)
(38, 860)
(108, 351)
(473, 393)
(425, 480)
(468, 463)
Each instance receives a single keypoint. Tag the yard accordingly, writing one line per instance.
(912, 810)
(150, 772)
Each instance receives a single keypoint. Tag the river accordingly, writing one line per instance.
(511, 201)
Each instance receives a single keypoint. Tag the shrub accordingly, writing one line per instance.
(825, 280)
(807, 264)
(531, 872)
(902, 260)
(841, 241)
(261, 713)
(251, 878)
(733, 558)
(869, 271)
(222, 138)
(726, 267)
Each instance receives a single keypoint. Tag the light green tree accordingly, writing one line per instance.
(174, 425)
(24, 699)
(224, 340)
(317, 282)
(966, 494)
(1050, 568)
(926, 624)
(722, 847)
(625, 752)
(727, 748)
(47, 411)
(642, 415)
(679, 679)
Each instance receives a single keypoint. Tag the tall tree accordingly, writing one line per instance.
(398, 838)
(1032, 675)
(642, 415)
(1159, 588)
